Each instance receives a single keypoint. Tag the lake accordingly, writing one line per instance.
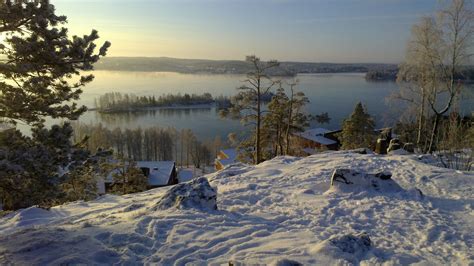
(336, 94)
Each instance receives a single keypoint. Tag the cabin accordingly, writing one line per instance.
(225, 157)
(158, 173)
(317, 139)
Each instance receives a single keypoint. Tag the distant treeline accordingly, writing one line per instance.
(466, 74)
(113, 102)
(190, 66)
(381, 75)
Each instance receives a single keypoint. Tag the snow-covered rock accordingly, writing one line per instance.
(350, 247)
(350, 181)
(197, 194)
(275, 212)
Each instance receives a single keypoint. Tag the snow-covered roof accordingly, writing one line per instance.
(231, 156)
(316, 135)
(160, 171)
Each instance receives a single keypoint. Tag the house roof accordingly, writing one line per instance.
(160, 171)
(316, 135)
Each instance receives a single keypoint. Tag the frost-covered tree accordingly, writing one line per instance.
(80, 180)
(40, 64)
(439, 48)
(44, 169)
(358, 129)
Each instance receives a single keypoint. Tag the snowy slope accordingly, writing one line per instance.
(276, 211)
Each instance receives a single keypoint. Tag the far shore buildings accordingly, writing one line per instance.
(158, 173)
(315, 139)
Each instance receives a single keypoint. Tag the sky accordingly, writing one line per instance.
(339, 31)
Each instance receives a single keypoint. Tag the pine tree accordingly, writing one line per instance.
(127, 177)
(41, 169)
(285, 117)
(274, 123)
(358, 129)
(38, 60)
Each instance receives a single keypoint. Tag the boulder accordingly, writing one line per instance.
(361, 151)
(352, 243)
(196, 194)
(347, 180)
(381, 146)
(350, 247)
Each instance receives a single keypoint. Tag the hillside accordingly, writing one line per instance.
(189, 66)
(278, 211)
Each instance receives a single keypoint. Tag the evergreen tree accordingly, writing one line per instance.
(358, 129)
(41, 169)
(285, 117)
(38, 60)
(297, 120)
(127, 177)
(322, 118)
(274, 123)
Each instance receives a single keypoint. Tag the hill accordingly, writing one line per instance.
(189, 66)
(280, 211)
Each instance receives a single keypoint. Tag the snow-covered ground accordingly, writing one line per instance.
(280, 211)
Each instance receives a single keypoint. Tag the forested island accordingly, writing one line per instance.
(116, 102)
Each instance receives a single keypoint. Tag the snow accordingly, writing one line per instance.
(317, 135)
(160, 171)
(230, 157)
(195, 194)
(185, 175)
(280, 212)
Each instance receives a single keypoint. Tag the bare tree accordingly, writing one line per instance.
(247, 104)
(440, 46)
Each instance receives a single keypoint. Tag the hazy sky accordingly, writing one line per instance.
(313, 31)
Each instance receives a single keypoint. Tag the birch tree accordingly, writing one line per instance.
(440, 46)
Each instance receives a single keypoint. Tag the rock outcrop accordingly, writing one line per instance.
(196, 194)
(347, 180)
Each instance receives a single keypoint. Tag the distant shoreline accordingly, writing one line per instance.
(203, 66)
(152, 108)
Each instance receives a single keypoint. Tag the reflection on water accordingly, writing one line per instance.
(119, 118)
(336, 94)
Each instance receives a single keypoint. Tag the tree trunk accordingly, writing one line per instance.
(422, 118)
(257, 140)
(434, 133)
(290, 114)
(182, 148)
